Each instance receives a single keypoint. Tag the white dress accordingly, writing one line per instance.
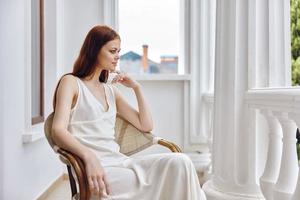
(169, 176)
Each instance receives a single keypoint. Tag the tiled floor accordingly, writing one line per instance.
(61, 192)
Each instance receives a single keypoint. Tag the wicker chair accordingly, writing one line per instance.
(130, 139)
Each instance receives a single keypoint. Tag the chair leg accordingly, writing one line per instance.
(72, 182)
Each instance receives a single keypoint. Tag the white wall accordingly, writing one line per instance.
(1, 106)
(2, 35)
(78, 17)
(166, 102)
(26, 169)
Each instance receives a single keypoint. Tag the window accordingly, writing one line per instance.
(150, 36)
(37, 61)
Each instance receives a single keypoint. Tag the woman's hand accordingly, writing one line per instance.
(97, 181)
(125, 80)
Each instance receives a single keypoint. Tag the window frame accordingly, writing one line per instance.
(40, 117)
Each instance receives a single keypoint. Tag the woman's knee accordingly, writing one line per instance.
(180, 159)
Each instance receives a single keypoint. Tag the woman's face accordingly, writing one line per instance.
(109, 55)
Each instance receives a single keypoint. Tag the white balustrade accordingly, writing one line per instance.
(287, 179)
(271, 172)
(296, 195)
(280, 108)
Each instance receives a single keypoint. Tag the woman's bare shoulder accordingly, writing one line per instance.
(69, 80)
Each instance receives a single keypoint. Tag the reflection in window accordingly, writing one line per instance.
(150, 36)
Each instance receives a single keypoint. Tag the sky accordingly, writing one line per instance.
(151, 22)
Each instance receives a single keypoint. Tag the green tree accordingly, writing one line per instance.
(295, 41)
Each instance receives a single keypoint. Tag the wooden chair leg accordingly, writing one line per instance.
(72, 182)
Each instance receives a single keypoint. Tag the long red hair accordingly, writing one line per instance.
(86, 62)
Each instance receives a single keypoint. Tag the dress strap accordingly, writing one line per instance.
(111, 94)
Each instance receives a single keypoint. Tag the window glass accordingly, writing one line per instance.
(150, 36)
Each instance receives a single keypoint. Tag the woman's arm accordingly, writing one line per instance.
(142, 118)
(66, 92)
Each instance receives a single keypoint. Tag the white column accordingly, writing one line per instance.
(271, 171)
(269, 46)
(279, 43)
(201, 42)
(196, 36)
(211, 44)
(287, 179)
(234, 171)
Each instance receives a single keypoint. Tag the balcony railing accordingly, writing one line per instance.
(281, 109)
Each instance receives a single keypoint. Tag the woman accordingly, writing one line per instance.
(85, 112)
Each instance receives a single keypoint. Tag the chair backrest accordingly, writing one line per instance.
(130, 139)
(47, 130)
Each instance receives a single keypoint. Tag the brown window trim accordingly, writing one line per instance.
(40, 117)
(36, 120)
